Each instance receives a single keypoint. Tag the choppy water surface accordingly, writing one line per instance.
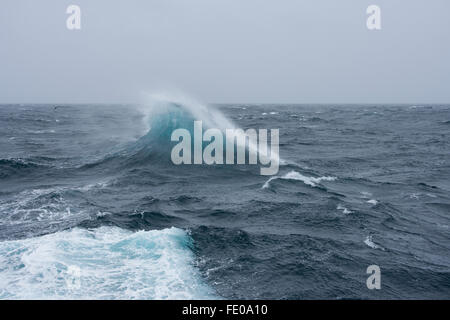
(92, 187)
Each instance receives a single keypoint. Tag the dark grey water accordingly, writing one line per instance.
(359, 185)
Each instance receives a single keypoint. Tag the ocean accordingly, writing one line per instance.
(91, 206)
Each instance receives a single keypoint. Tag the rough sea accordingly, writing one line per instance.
(91, 206)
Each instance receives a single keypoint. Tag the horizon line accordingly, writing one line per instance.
(231, 103)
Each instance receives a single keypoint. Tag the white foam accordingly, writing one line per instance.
(372, 201)
(343, 209)
(294, 175)
(105, 263)
(41, 131)
(103, 213)
(371, 244)
(43, 204)
(98, 185)
(266, 184)
(47, 204)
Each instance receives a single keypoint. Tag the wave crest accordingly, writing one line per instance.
(294, 175)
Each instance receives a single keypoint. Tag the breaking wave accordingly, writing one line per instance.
(105, 263)
(294, 175)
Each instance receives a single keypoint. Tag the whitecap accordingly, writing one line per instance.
(372, 201)
(98, 185)
(371, 244)
(47, 204)
(105, 263)
(103, 214)
(343, 209)
(294, 175)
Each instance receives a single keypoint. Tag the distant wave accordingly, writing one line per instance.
(294, 175)
(162, 116)
(18, 167)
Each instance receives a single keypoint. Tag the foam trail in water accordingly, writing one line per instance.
(105, 263)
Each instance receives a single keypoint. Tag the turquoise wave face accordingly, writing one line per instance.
(105, 263)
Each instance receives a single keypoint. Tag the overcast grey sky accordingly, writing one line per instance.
(225, 51)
